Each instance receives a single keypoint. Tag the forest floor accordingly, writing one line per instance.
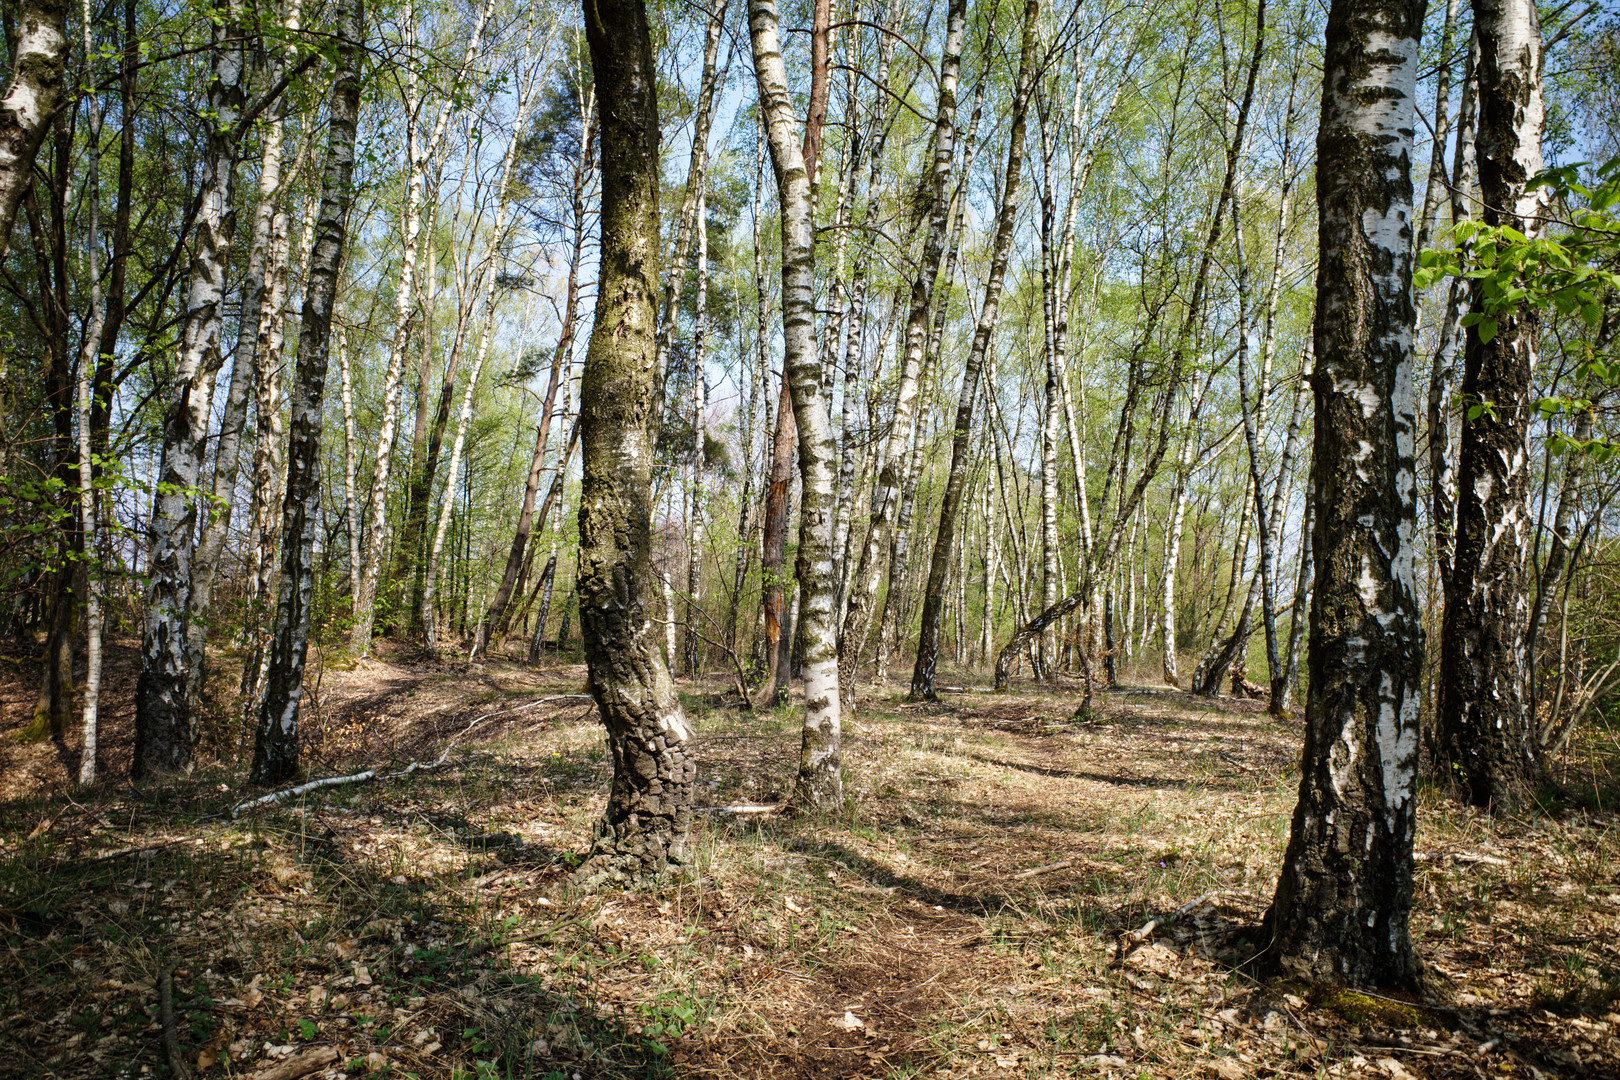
(963, 918)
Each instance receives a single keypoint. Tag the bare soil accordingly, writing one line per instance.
(966, 916)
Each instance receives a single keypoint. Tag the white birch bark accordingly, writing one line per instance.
(819, 785)
(162, 705)
(88, 357)
(863, 585)
(31, 101)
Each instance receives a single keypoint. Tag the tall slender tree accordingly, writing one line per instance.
(1487, 735)
(276, 742)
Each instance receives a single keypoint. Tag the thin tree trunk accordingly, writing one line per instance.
(1302, 596)
(1097, 568)
(819, 785)
(891, 475)
(925, 671)
(89, 358)
(547, 578)
(1443, 375)
(693, 645)
(276, 750)
(217, 523)
(419, 155)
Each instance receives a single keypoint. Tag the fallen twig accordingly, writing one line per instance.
(1061, 864)
(755, 811)
(171, 1037)
(378, 774)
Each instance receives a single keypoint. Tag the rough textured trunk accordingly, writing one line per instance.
(863, 585)
(162, 692)
(644, 830)
(217, 524)
(819, 785)
(275, 750)
(31, 102)
(924, 672)
(1486, 732)
(1344, 897)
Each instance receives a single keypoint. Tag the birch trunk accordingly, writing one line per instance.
(819, 785)
(925, 671)
(162, 692)
(1487, 735)
(89, 359)
(32, 100)
(1344, 896)
(1099, 567)
(217, 523)
(1443, 375)
(276, 750)
(419, 155)
(891, 475)
(693, 645)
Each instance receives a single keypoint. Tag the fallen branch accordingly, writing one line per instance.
(1128, 942)
(299, 1065)
(1061, 864)
(756, 811)
(171, 1037)
(378, 774)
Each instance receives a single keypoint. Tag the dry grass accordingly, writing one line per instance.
(960, 920)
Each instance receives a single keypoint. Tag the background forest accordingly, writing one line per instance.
(294, 311)
(448, 479)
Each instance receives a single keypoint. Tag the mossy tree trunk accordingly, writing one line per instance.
(644, 830)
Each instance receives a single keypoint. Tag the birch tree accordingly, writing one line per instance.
(31, 102)
(1487, 735)
(1344, 896)
(276, 737)
(162, 695)
(819, 784)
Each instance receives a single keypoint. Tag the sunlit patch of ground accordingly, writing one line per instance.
(963, 918)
